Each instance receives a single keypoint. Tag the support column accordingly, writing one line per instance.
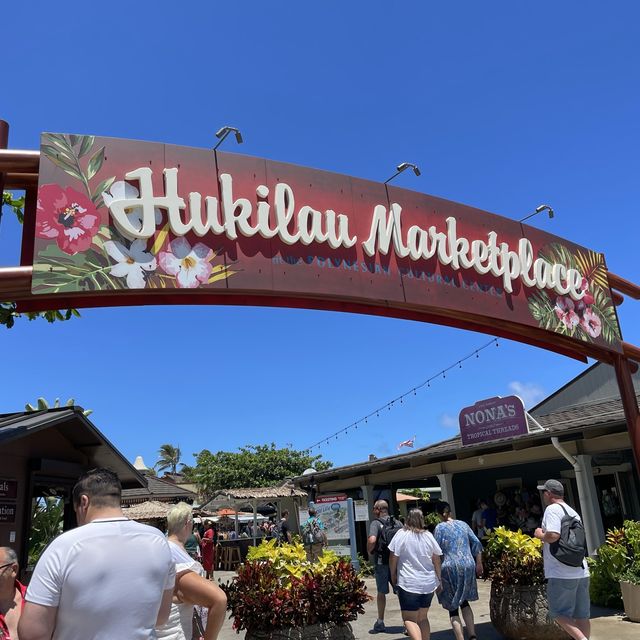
(629, 405)
(446, 487)
(367, 494)
(589, 505)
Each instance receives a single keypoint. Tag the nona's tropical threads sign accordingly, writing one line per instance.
(140, 220)
(493, 419)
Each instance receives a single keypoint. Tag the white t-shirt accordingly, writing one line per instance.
(106, 578)
(551, 521)
(179, 626)
(415, 567)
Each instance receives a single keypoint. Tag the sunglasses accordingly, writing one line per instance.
(9, 564)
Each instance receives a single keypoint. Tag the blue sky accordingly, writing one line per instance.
(503, 105)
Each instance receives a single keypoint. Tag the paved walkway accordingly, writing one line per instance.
(607, 624)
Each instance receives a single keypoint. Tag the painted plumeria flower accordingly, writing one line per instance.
(190, 266)
(124, 191)
(565, 311)
(591, 322)
(132, 262)
(68, 216)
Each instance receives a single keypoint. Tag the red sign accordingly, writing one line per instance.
(8, 488)
(493, 419)
(124, 222)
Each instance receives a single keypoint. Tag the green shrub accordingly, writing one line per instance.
(617, 559)
(366, 567)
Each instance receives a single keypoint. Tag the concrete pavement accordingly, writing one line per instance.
(607, 624)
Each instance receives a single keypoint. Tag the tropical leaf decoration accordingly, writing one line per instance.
(557, 253)
(591, 266)
(592, 318)
(541, 309)
(603, 307)
(63, 267)
(59, 272)
(68, 153)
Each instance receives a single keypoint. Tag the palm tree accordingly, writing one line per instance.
(169, 458)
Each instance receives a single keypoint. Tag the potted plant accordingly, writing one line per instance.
(615, 571)
(518, 604)
(279, 595)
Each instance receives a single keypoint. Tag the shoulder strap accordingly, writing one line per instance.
(566, 513)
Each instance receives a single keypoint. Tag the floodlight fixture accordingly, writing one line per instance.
(403, 166)
(223, 132)
(539, 209)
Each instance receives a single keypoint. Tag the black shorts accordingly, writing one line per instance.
(414, 601)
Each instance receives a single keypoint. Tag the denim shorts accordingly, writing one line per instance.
(383, 578)
(569, 597)
(414, 601)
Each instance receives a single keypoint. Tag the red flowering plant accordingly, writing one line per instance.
(590, 318)
(282, 589)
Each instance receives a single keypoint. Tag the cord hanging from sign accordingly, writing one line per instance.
(457, 364)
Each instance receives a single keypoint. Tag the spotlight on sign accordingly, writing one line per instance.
(223, 132)
(539, 209)
(403, 166)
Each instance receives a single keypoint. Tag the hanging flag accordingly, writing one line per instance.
(407, 443)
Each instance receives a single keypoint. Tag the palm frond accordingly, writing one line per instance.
(591, 266)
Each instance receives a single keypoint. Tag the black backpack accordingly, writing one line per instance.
(389, 529)
(571, 547)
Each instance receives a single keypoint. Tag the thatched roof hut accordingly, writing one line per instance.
(149, 510)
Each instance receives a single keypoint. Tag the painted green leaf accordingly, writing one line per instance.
(557, 253)
(105, 185)
(95, 164)
(59, 142)
(73, 140)
(607, 313)
(85, 145)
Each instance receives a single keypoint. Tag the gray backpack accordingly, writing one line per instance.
(571, 547)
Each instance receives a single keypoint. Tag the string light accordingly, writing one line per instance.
(414, 390)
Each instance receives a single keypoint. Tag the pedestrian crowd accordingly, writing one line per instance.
(112, 577)
(418, 565)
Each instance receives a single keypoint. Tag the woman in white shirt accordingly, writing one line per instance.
(191, 588)
(414, 565)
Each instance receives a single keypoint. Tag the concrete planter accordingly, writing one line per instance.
(321, 631)
(631, 599)
(521, 613)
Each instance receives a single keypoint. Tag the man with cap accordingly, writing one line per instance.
(567, 587)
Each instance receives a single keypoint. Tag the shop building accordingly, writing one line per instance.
(584, 442)
(42, 454)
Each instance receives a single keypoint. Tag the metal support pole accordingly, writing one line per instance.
(629, 405)
(4, 142)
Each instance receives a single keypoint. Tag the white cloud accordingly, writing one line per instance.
(448, 421)
(530, 392)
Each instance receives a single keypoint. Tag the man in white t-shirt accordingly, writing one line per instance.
(567, 587)
(109, 578)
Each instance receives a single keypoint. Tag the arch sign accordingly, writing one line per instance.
(124, 222)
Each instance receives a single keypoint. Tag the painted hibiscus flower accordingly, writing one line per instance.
(124, 191)
(588, 296)
(565, 312)
(591, 322)
(132, 262)
(66, 216)
(190, 266)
